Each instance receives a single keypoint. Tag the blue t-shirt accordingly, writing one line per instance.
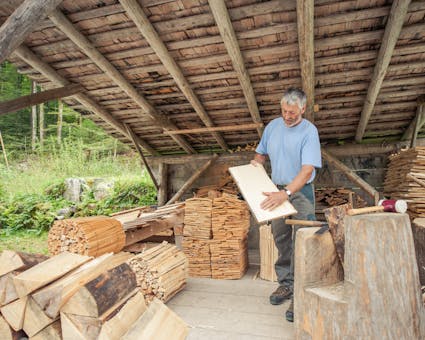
(289, 148)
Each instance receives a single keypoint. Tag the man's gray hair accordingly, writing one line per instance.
(294, 96)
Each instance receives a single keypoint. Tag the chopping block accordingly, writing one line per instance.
(379, 296)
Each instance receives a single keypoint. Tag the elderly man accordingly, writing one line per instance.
(293, 147)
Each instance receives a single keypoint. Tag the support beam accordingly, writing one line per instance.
(66, 26)
(351, 175)
(135, 12)
(38, 98)
(22, 22)
(305, 24)
(224, 24)
(389, 40)
(140, 152)
(419, 122)
(216, 128)
(163, 184)
(420, 112)
(191, 180)
(31, 59)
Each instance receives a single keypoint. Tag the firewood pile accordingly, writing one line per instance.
(330, 197)
(92, 236)
(224, 254)
(161, 271)
(268, 254)
(230, 221)
(73, 296)
(405, 179)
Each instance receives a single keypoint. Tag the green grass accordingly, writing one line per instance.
(26, 241)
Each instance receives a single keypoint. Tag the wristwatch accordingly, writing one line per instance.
(288, 192)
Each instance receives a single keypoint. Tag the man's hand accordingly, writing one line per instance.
(255, 163)
(273, 200)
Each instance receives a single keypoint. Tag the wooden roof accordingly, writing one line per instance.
(195, 63)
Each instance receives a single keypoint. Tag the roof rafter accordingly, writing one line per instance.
(136, 13)
(417, 122)
(62, 22)
(224, 24)
(30, 58)
(389, 40)
(305, 23)
(21, 23)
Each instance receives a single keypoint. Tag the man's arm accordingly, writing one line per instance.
(274, 199)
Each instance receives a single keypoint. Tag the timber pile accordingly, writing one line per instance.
(230, 222)
(330, 197)
(226, 185)
(197, 218)
(161, 271)
(405, 179)
(147, 224)
(268, 254)
(72, 296)
(92, 236)
(198, 253)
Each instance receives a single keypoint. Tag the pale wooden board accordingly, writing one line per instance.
(252, 182)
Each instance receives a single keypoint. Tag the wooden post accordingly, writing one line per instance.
(163, 184)
(350, 174)
(33, 117)
(38, 98)
(60, 120)
(192, 179)
(4, 151)
(305, 24)
(140, 152)
(21, 23)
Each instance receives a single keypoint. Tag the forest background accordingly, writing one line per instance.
(41, 147)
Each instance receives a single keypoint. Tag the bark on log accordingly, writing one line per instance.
(102, 293)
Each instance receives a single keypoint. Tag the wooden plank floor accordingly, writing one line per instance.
(232, 309)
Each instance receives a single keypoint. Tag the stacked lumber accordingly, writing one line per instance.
(161, 271)
(405, 179)
(92, 236)
(230, 220)
(148, 224)
(197, 218)
(268, 254)
(226, 185)
(198, 254)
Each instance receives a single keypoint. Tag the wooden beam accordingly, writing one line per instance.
(30, 58)
(216, 128)
(305, 24)
(389, 40)
(224, 24)
(140, 152)
(22, 22)
(38, 98)
(350, 174)
(420, 111)
(419, 122)
(163, 184)
(192, 179)
(135, 12)
(62, 22)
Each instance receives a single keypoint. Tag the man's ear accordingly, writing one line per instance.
(303, 109)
